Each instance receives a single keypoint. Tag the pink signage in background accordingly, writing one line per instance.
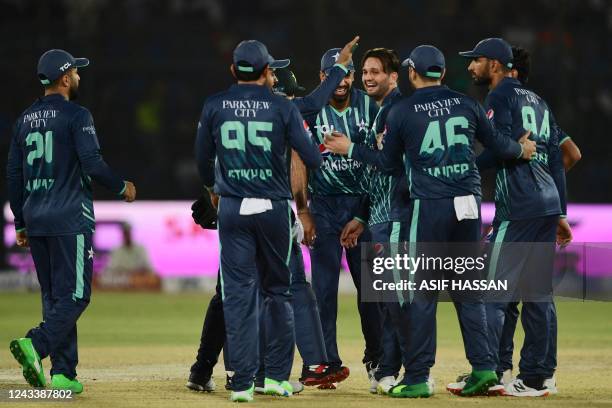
(590, 222)
(179, 247)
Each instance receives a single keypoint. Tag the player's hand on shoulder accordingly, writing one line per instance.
(22, 239)
(529, 146)
(346, 54)
(129, 194)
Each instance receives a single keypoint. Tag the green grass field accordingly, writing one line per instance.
(136, 350)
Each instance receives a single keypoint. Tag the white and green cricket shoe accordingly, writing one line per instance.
(242, 396)
(24, 352)
(385, 384)
(296, 385)
(61, 382)
(278, 388)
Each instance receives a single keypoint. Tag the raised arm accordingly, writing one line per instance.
(312, 103)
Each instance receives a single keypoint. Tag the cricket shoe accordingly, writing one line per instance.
(385, 384)
(506, 377)
(551, 385)
(242, 396)
(24, 352)
(371, 369)
(421, 390)
(328, 386)
(296, 385)
(458, 386)
(323, 374)
(278, 388)
(517, 388)
(61, 382)
(201, 384)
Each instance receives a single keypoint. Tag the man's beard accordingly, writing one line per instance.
(412, 84)
(342, 98)
(73, 93)
(383, 90)
(481, 81)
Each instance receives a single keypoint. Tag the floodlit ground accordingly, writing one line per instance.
(136, 350)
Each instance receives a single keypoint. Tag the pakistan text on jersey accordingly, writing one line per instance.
(40, 118)
(245, 109)
(37, 184)
(437, 108)
(342, 164)
(250, 174)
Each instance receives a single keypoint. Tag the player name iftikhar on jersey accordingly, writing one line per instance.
(53, 157)
(527, 189)
(339, 174)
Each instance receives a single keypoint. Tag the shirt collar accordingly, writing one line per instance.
(252, 87)
(429, 89)
(510, 80)
(52, 97)
(395, 93)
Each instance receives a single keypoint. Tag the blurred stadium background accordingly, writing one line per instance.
(153, 64)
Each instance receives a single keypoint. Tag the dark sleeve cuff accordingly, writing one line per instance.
(521, 152)
(345, 69)
(360, 220)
